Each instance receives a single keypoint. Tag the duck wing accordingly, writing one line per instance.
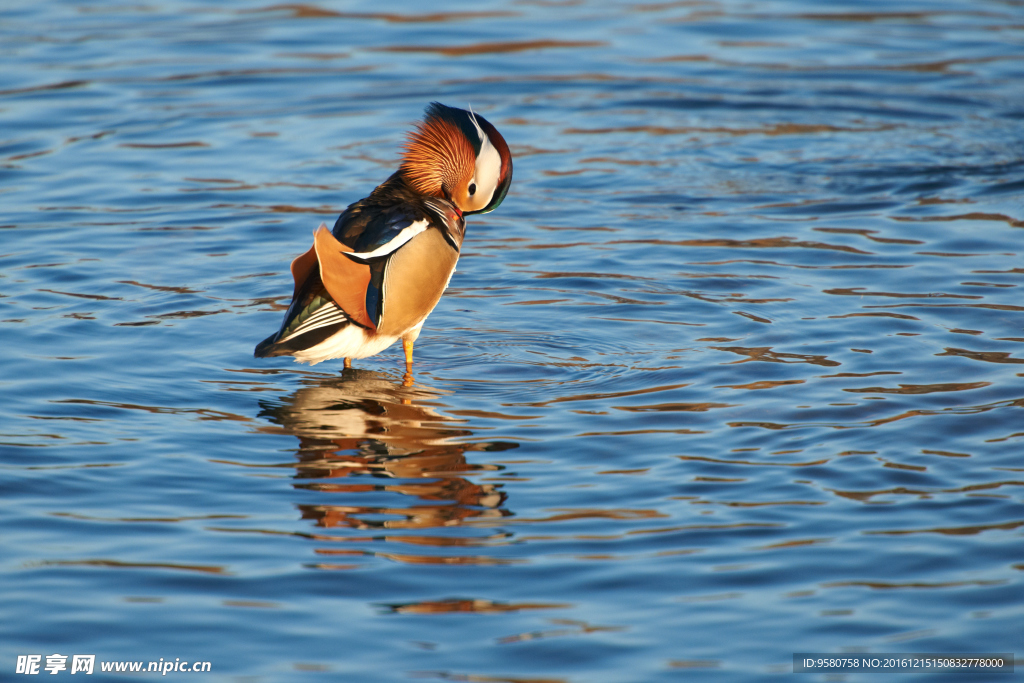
(341, 282)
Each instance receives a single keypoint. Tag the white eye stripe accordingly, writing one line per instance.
(479, 130)
(488, 168)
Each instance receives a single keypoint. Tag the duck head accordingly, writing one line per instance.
(459, 156)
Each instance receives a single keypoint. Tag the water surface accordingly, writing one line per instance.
(734, 372)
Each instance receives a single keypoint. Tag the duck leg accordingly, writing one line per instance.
(407, 347)
(407, 378)
(348, 363)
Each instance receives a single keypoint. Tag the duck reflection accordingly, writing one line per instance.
(362, 434)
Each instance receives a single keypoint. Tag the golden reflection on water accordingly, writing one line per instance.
(363, 433)
(478, 606)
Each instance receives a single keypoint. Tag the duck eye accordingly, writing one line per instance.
(472, 189)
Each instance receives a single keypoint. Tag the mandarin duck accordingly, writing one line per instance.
(379, 273)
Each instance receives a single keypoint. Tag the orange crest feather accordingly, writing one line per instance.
(437, 158)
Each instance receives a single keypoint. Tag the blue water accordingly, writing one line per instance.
(734, 372)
